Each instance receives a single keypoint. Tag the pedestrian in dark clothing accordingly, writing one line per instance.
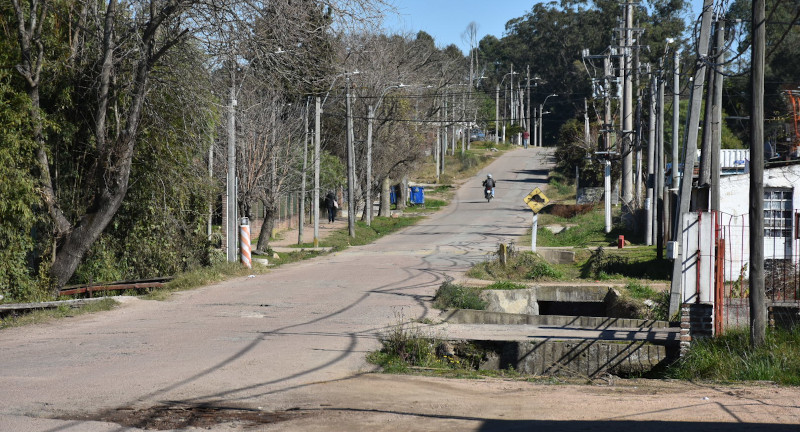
(331, 205)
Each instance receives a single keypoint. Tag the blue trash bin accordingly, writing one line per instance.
(417, 195)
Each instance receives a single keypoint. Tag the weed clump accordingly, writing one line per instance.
(454, 296)
(731, 358)
(640, 302)
(403, 346)
(519, 266)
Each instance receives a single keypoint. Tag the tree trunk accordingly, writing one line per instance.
(385, 209)
(75, 244)
(270, 211)
(402, 196)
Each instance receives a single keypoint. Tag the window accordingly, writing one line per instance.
(777, 212)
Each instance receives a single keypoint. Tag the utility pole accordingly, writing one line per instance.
(704, 177)
(496, 115)
(443, 151)
(302, 211)
(690, 154)
(758, 309)
(464, 125)
(528, 106)
(437, 151)
(627, 107)
(317, 117)
(660, 155)
(651, 161)
(368, 192)
(586, 135)
(511, 93)
(231, 231)
(676, 163)
(211, 178)
(607, 126)
(716, 110)
(351, 165)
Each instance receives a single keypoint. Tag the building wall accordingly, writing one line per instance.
(734, 222)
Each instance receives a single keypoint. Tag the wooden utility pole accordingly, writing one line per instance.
(690, 153)
(758, 309)
(704, 177)
(716, 111)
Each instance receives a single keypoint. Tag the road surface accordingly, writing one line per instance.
(285, 350)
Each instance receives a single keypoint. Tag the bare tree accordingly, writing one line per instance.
(119, 46)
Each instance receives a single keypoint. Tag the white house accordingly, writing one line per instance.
(781, 207)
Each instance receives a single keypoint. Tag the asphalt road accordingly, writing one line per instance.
(245, 342)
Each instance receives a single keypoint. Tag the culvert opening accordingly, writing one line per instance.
(573, 308)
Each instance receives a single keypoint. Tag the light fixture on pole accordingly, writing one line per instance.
(541, 112)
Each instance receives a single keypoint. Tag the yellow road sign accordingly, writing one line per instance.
(536, 200)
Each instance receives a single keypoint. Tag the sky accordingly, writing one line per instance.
(446, 20)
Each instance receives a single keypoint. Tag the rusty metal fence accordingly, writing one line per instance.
(781, 263)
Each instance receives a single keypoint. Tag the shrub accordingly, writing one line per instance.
(519, 266)
(407, 343)
(453, 296)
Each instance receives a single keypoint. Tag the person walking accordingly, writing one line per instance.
(331, 205)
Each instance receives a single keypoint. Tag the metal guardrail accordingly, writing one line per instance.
(84, 289)
(115, 286)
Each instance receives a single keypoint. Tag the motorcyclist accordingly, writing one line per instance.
(489, 183)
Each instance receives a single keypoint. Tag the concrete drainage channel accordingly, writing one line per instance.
(561, 331)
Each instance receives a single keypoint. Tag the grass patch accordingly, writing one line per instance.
(454, 296)
(381, 226)
(639, 262)
(559, 188)
(62, 311)
(520, 266)
(505, 285)
(431, 204)
(730, 358)
(216, 272)
(583, 230)
(641, 301)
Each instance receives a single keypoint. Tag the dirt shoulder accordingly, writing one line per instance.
(379, 402)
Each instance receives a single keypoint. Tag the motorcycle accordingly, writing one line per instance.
(487, 193)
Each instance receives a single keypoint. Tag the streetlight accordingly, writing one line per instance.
(317, 138)
(497, 107)
(370, 118)
(541, 112)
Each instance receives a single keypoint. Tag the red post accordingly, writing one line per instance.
(621, 242)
